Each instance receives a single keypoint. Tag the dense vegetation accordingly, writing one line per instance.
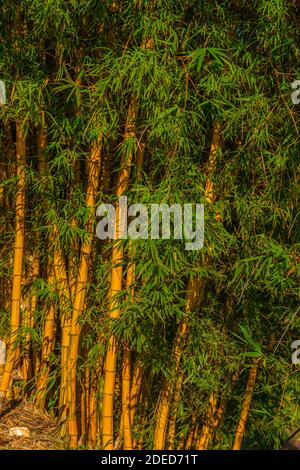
(143, 344)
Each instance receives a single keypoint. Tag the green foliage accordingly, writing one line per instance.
(231, 62)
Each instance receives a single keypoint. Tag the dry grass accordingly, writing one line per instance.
(43, 429)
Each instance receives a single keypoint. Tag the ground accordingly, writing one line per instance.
(43, 429)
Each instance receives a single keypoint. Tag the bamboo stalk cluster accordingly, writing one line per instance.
(140, 344)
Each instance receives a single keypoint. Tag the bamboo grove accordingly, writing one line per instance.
(141, 344)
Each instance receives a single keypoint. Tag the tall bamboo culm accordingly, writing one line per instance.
(116, 287)
(18, 261)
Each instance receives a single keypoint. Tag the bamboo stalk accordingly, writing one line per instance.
(47, 348)
(136, 385)
(241, 427)
(84, 402)
(81, 284)
(135, 390)
(18, 262)
(194, 292)
(126, 367)
(208, 424)
(92, 436)
(126, 375)
(174, 410)
(116, 288)
(49, 324)
(28, 319)
(25, 310)
(191, 433)
(192, 298)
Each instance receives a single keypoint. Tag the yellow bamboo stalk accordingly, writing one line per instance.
(191, 433)
(217, 419)
(126, 375)
(73, 260)
(84, 402)
(30, 308)
(33, 308)
(25, 309)
(18, 262)
(81, 284)
(41, 147)
(194, 293)
(181, 443)
(117, 272)
(92, 389)
(115, 289)
(173, 417)
(47, 348)
(145, 400)
(61, 283)
(195, 437)
(126, 366)
(136, 386)
(62, 286)
(92, 437)
(209, 422)
(240, 431)
(135, 390)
